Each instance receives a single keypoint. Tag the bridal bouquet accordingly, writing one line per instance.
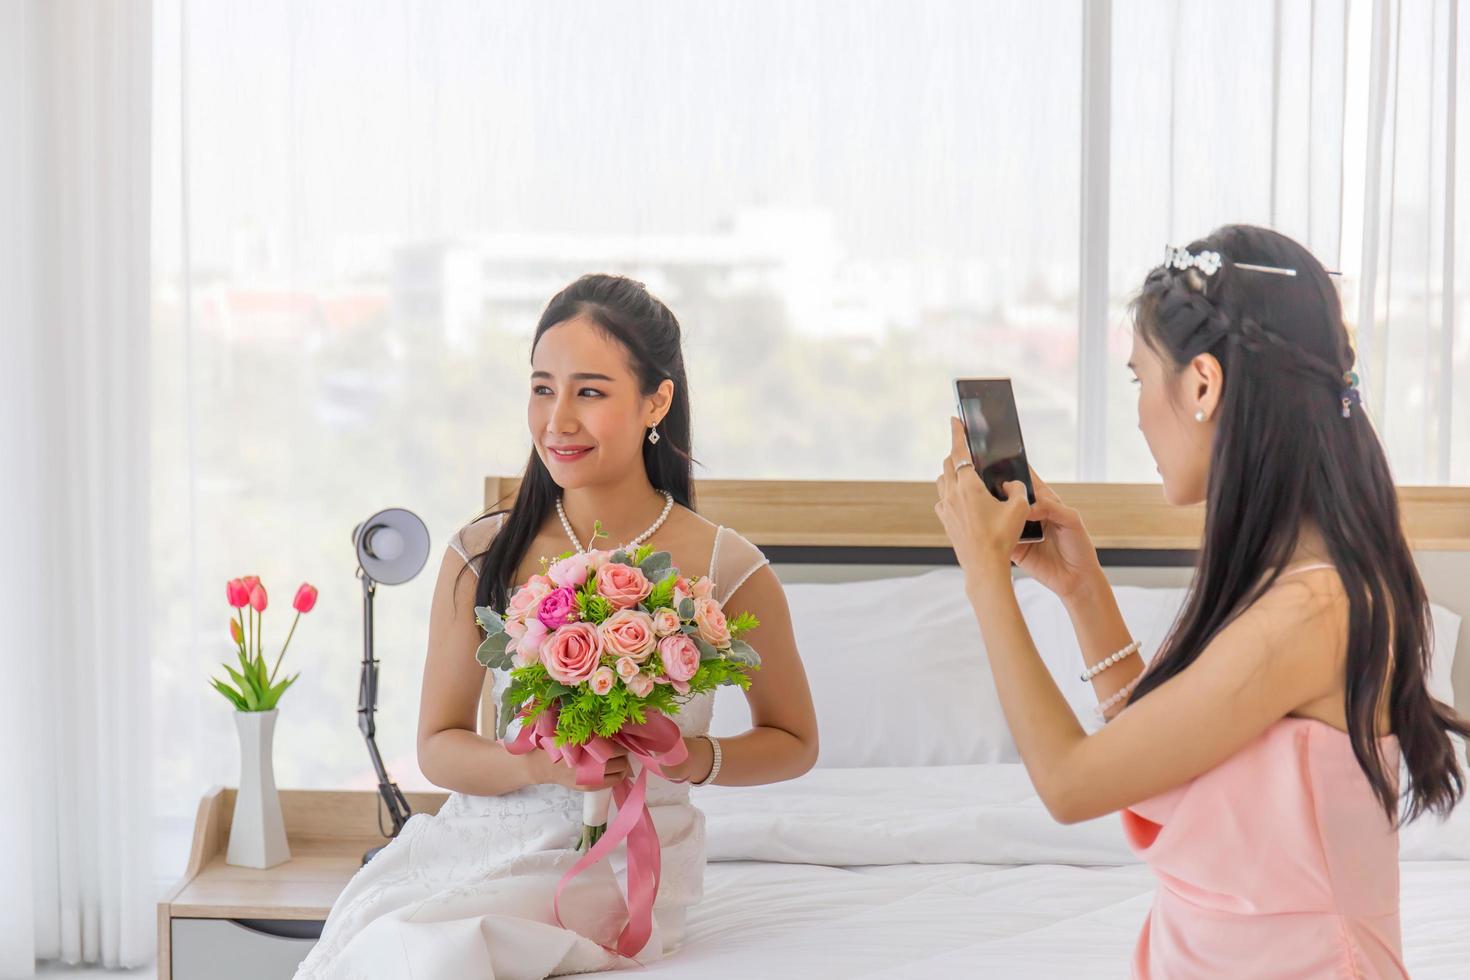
(603, 648)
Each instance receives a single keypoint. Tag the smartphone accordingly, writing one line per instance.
(987, 406)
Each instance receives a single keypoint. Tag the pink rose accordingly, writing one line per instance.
(710, 618)
(703, 588)
(629, 633)
(627, 667)
(602, 681)
(666, 622)
(640, 684)
(557, 608)
(571, 572)
(526, 596)
(527, 645)
(571, 653)
(623, 585)
(681, 660)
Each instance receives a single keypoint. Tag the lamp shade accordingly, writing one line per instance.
(392, 545)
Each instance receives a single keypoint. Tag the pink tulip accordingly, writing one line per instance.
(258, 598)
(305, 599)
(237, 593)
(251, 581)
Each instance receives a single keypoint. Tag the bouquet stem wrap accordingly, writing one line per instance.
(595, 805)
(653, 744)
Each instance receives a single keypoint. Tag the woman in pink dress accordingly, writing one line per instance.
(1266, 757)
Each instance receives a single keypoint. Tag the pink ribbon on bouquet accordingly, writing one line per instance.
(655, 743)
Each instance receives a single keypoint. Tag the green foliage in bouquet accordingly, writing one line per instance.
(583, 714)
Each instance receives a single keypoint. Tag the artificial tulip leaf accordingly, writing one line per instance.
(228, 692)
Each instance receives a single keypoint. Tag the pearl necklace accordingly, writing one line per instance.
(572, 536)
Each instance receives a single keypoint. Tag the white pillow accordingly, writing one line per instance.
(1149, 614)
(899, 674)
(1446, 635)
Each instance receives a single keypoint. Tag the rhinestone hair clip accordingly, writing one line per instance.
(1208, 263)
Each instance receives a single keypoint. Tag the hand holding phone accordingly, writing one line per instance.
(987, 407)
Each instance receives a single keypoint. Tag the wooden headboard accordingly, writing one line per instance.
(807, 527)
(868, 515)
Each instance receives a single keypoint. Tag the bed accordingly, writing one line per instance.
(968, 920)
(929, 855)
(917, 847)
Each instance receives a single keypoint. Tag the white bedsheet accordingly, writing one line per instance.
(762, 920)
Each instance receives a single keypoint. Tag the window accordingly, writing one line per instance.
(362, 208)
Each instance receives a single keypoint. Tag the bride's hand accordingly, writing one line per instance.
(618, 768)
(698, 763)
(1065, 560)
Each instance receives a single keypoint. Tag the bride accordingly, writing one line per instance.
(468, 892)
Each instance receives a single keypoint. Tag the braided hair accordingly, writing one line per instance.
(1286, 451)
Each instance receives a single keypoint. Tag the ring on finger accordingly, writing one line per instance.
(962, 464)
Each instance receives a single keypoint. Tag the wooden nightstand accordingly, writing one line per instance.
(221, 922)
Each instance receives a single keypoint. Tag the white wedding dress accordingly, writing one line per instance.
(466, 894)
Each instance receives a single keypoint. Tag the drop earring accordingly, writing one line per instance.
(653, 436)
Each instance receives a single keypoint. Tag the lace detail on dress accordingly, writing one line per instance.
(457, 545)
(732, 562)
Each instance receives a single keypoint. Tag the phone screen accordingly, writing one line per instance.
(987, 406)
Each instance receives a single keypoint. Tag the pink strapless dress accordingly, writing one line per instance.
(1278, 864)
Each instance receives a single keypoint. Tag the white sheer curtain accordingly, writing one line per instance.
(75, 756)
(1336, 123)
(361, 207)
(1414, 288)
(1221, 113)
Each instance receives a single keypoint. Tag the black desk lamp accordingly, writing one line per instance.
(392, 547)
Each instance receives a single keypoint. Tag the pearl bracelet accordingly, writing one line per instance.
(1116, 699)
(714, 770)
(1109, 660)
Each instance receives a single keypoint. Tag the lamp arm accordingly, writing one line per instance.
(367, 702)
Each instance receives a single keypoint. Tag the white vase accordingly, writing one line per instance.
(257, 831)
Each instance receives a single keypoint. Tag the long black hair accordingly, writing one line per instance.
(1284, 454)
(627, 312)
